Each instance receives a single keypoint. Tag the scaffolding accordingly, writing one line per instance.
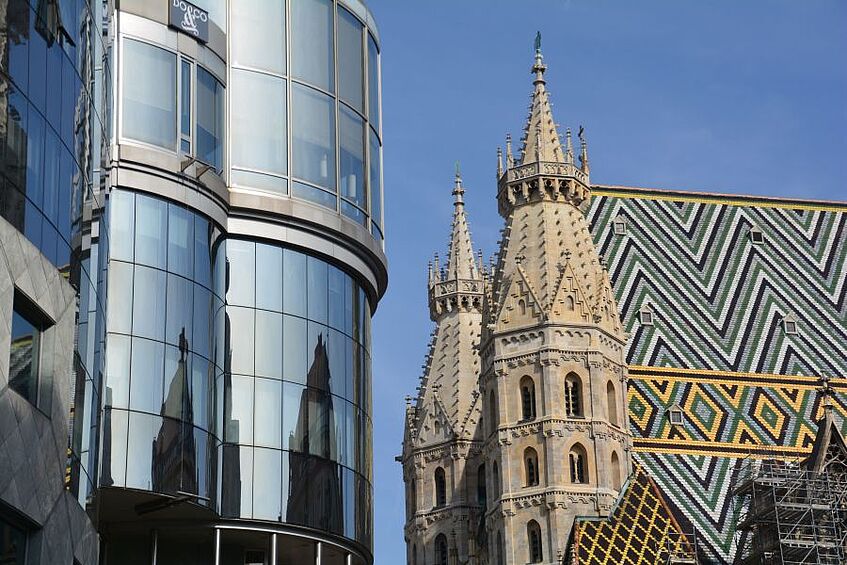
(681, 548)
(789, 515)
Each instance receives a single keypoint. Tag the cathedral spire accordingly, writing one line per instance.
(541, 140)
(460, 262)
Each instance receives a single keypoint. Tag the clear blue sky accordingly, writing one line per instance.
(743, 97)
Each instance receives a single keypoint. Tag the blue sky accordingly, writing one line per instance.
(739, 97)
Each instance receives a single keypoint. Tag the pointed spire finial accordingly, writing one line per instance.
(583, 151)
(499, 163)
(826, 392)
(458, 189)
(510, 160)
(569, 147)
(539, 67)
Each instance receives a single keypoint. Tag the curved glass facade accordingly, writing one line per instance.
(165, 347)
(237, 371)
(304, 113)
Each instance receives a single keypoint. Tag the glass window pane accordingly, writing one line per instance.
(238, 408)
(202, 251)
(336, 286)
(210, 119)
(115, 427)
(241, 340)
(258, 122)
(202, 322)
(294, 417)
(119, 303)
(295, 348)
(257, 35)
(267, 478)
(268, 413)
(117, 372)
(151, 233)
(336, 351)
(185, 107)
(375, 179)
(149, 94)
(145, 384)
(143, 429)
(180, 240)
(313, 194)
(350, 60)
(352, 138)
(313, 136)
(268, 277)
(317, 271)
(373, 82)
(241, 256)
(201, 391)
(294, 283)
(177, 395)
(148, 308)
(122, 222)
(311, 42)
(236, 477)
(179, 311)
(268, 353)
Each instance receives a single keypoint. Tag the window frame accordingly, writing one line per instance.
(27, 309)
(180, 60)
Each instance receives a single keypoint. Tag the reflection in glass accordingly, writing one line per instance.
(115, 426)
(258, 120)
(268, 277)
(351, 131)
(350, 61)
(268, 354)
(294, 283)
(373, 82)
(202, 322)
(185, 107)
(313, 135)
(336, 308)
(122, 222)
(210, 119)
(268, 413)
(149, 94)
(375, 178)
(145, 385)
(180, 240)
(240, 340)
(317, 276)
(201, 391)
(241, 259)
(179, 309)
(266, 483)
(119, 303)
(311, 42)
(143, 429)
(117, 371)
(151, 233)
(238, 408)
(257, 35)
(148, 306)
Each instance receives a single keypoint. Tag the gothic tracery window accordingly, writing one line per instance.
(530, 458)
(440, 487)
(573, 395)
(578, 462)
(481, 495)
(441, 550)
(612, 403)
(527, 398)
(533, 534)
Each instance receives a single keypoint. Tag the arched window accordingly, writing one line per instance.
(500, 558)
(495, 479)
(527, 398)
(492, 411)
(440, 487)
(573, 395)
(480, 486)
(522, 307)
(578, 464)
(441, 550)
(533, 536)
(413, 496)
(612, 403)
(530, 461)
(616, 470)
(569, 302)
(437, 428)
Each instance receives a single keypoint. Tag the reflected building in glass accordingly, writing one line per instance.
(244, 262)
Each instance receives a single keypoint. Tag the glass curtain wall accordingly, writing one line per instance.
(53, 121)
(312, 132)
(294, 401)
(165, 347)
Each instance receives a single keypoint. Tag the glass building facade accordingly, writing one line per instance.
(240, 264)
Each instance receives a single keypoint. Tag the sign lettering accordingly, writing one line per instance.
(189, 19)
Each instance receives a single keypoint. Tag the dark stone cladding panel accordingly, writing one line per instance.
(33, 444)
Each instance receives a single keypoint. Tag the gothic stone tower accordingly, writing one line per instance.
(444, 498)
(553, 368)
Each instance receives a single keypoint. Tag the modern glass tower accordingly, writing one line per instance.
(206, 183)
